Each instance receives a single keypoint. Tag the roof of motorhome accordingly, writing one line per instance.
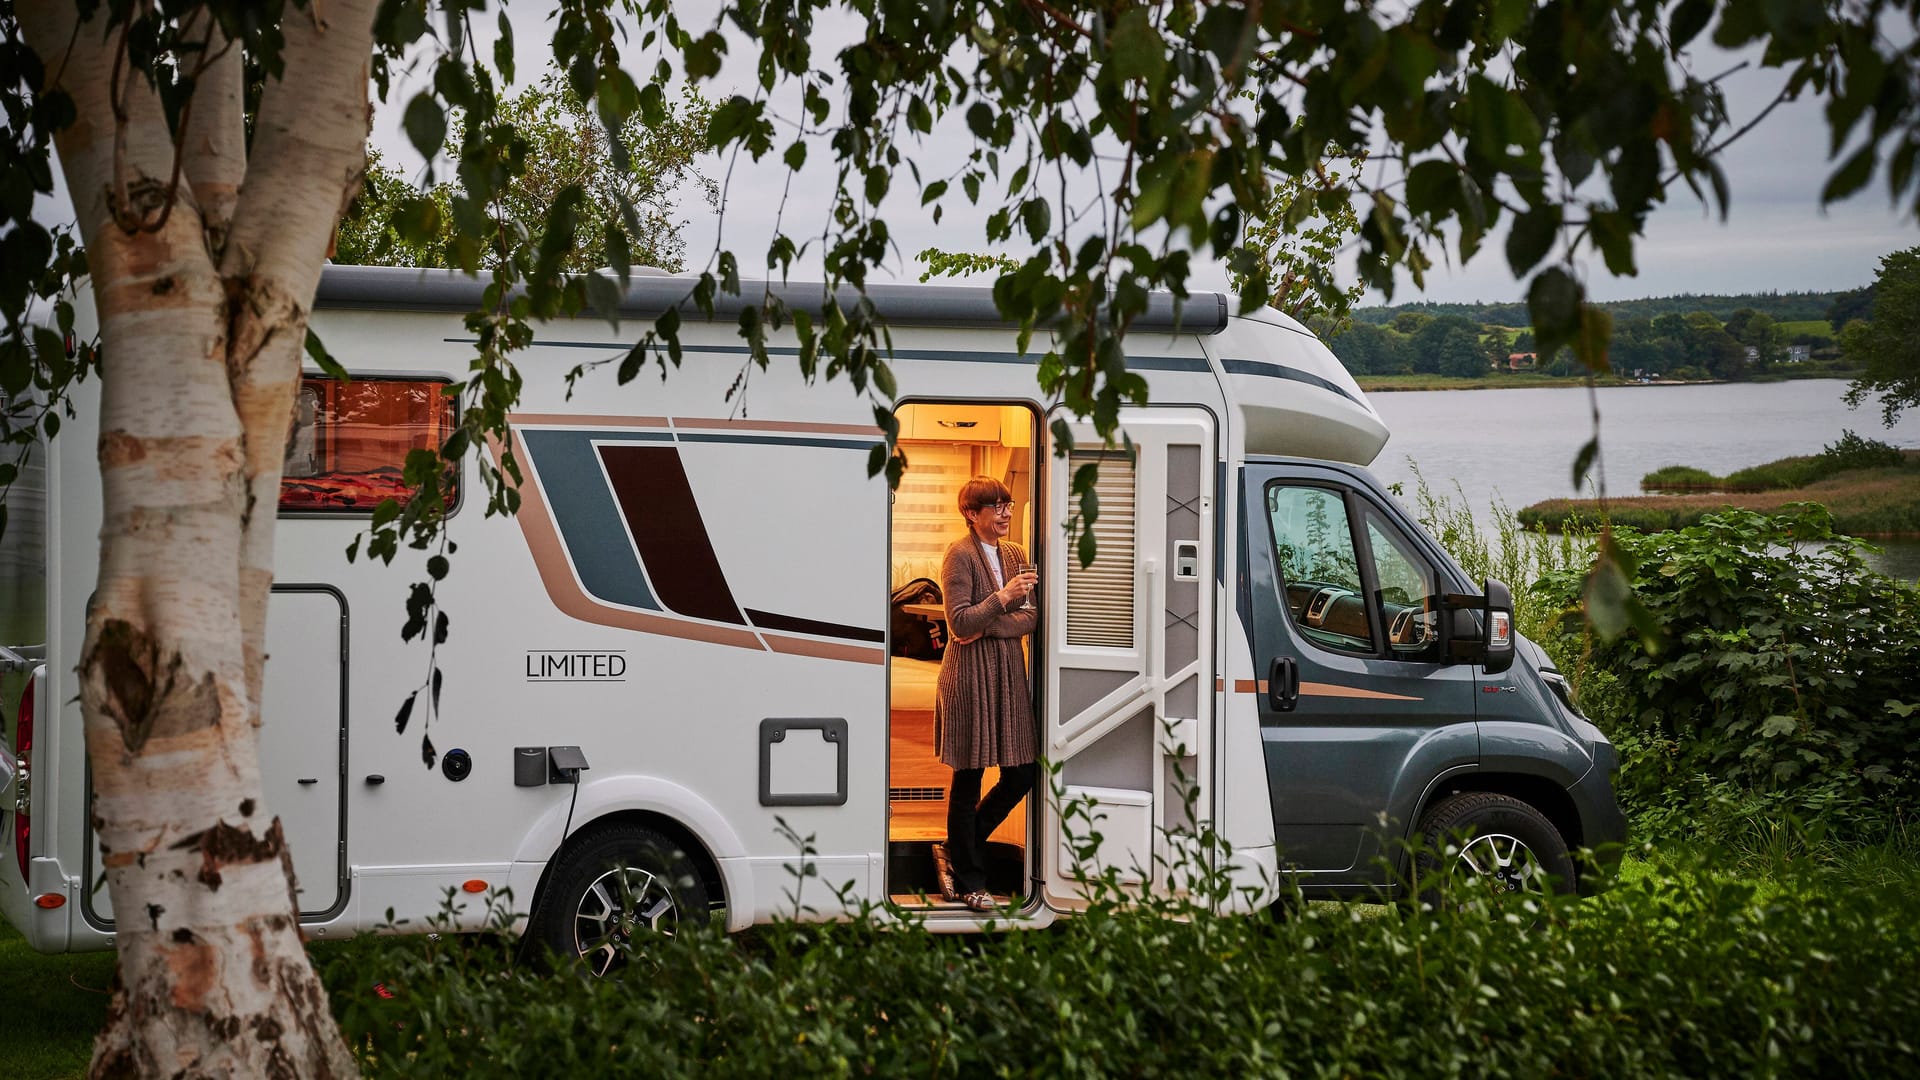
(398, 288)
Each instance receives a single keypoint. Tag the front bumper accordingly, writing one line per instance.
(1603, 827)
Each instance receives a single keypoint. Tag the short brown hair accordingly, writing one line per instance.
(982, 491)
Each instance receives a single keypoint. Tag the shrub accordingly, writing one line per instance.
(1781, 475)
(1679, 478)
(1848, 453)
(1785, 685)
(1854, 452)
(1506, 547)
(1685, 971)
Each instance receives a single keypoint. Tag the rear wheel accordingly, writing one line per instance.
(1483, 847)
(614, 894)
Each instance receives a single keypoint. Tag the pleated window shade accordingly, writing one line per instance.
(925, 516)
(1100, 596)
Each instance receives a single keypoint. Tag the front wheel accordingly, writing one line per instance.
(1479, 847)
(614, 893)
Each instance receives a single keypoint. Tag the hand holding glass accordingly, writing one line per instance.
(1034, 586)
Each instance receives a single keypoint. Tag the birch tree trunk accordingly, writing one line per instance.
(203, 286)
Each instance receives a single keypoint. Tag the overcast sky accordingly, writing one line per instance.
(1776, 236)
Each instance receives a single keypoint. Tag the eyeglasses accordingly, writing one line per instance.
(1004, 506)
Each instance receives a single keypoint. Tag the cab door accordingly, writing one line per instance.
(1358, 710)
(1129, 670)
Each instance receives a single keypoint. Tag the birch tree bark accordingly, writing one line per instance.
(204, 263)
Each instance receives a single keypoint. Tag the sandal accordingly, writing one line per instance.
(943, 872)
(980, 900)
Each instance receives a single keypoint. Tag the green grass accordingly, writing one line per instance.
(1867, 502)
(55, 1004)
(1815, 327)
(1678, 477)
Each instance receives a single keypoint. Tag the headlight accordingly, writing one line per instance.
(1562, 690)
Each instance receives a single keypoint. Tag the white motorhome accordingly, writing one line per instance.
(685, 637)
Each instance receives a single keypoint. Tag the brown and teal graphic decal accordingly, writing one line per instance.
(616, 530)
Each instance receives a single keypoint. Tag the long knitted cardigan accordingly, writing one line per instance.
(983, 714)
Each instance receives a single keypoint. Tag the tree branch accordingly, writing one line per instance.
(216, 148)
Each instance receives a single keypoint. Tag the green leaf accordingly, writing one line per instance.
(426, 125)
(1852, 176)
(603, 294)
(1583, 462)
(1136, 50)
(1553, 302)
(503, 49)
(324, 359)
(1531, 237)
(1612, 233)
(1607, 593)
(1038, 215)
(1689, 18)
(1432, 187)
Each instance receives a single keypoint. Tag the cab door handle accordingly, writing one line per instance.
(1283, 684)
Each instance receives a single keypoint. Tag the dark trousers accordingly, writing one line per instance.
(970, 820)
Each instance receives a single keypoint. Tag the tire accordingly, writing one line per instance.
(613, 894)
(1479, 847)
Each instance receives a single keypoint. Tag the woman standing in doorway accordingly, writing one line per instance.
(984, 712)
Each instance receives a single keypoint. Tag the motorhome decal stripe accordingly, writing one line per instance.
(657, 500)
(1143, 363)
(782, 440)
(586, 420)
(568, 473)
(550, 559)
(793, 624)
(713, 424)
(1320, 689)
(825, 650)
(1282, 371)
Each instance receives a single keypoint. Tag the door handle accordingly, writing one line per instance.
(375, 778)
(305, 780)
(1283, 684)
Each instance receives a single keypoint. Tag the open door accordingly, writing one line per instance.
(946, 444)
(1130, 653)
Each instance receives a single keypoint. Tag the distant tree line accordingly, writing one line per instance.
(1781, 307)
(1694, 345)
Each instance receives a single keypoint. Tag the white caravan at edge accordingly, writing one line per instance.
(687, 635)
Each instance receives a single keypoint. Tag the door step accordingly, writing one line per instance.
(916, 794)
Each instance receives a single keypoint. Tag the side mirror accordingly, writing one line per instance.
(1487, 641)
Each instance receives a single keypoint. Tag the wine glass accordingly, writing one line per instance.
(1015, 570)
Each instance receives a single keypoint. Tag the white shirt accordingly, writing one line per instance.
(992, 552)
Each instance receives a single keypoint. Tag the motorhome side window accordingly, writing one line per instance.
(1319, 566)
(348, 448)
(1407, 600)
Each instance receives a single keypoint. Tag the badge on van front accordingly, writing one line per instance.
(577, 666)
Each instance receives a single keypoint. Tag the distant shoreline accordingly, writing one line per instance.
(1871, 503)
(1393, 384)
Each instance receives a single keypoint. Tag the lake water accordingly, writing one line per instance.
(1519, 445)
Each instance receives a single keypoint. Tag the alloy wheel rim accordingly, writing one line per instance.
(1501, 864)
(620, 905)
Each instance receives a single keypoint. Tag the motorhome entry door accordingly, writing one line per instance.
(1129, 654)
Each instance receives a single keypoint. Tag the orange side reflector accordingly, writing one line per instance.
(476, 886)
(50, 900)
